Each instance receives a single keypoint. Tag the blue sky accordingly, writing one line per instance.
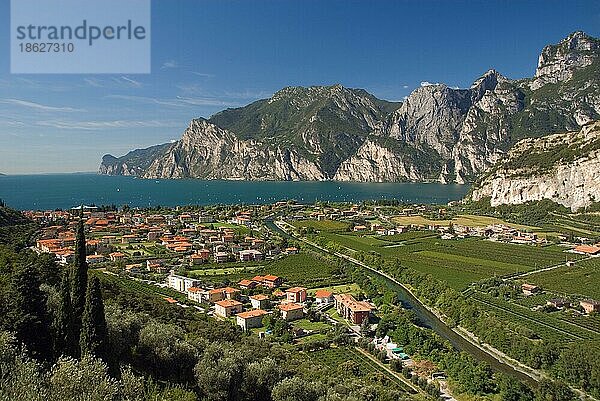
(210, 55)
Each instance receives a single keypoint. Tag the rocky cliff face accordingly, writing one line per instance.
(209, 152)
(560, 62)
(564, 168)
(331, 132)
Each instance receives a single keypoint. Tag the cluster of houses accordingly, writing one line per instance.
(227, 301)
(291, 302)
(587, 250)
(492, 232)
(588, 305)
(192, 238)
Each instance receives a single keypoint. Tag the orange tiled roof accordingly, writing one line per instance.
(252, 313)
(323, 294)
(291, 306)
(587, 249)
(228, 303)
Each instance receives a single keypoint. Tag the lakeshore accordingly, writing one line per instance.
(51, 191)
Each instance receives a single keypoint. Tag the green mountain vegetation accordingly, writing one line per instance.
(326, 124)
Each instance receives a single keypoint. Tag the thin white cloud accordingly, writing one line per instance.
(11, 123)
(248, 94)
(96, 83)
(198, 101)
(132, 82)
(405, 86)
(169, 64)
(202, 74)
(37, 106)
(179, 101)
(101, 125)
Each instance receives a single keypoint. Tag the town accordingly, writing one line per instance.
(261, 268)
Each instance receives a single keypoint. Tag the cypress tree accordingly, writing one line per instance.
(27, 312)
(94, 333)
(65, 342)
(79, 280)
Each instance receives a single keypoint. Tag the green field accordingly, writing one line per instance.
(582, 279)
(458, 262)
(322, 225)
(351, 288)
(468, 220)
(308, 325)
(301, 269)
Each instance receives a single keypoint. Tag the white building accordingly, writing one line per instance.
(180, 283)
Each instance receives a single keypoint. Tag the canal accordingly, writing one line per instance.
(430, 320)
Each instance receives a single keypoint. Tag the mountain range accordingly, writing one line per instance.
(437, 133)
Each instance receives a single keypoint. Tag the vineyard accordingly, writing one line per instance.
(302, 269)
(546, 326)
(582, 279)
(458, 262)
(139, 287)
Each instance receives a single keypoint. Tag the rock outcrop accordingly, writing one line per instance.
(564, 168)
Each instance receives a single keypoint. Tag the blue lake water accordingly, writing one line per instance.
(51, 191)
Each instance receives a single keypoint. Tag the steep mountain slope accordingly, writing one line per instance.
(564, 168)
(325, 124)
(133, 163)
(210, 152)
(331, 132)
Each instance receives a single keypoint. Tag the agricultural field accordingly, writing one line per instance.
(351, 288)
(468, 220)
(322, 225)
(547, 326)
(406, 236)
(301, 269)
(582, 279)
(306, 324)
(458, 262)
(115, 281)
(579, 224)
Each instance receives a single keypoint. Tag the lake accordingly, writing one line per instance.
(51, 191)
